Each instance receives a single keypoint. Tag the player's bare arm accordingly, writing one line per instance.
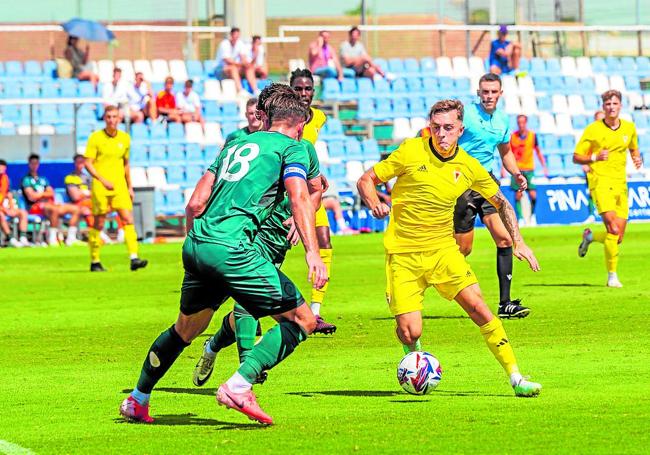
(636, 158)
(510, 164)
(303, 216)
(74, 193)
(367, 190)
(509, 219)
(600, 155)
(199, 199)
(315, 187)
(90, 167)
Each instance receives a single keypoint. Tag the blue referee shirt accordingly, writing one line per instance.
(483, 132)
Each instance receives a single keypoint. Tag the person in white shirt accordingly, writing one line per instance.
(116, 93)
(354, 55)
(189, 104)
(233, 62)
(141, 99)
(257, 57)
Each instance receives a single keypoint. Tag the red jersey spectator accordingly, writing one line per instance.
(166, 102)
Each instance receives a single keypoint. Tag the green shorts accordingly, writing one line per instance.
(271, 240)
(529, 178)
(215, 272)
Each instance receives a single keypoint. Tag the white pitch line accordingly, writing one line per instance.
(9, 448)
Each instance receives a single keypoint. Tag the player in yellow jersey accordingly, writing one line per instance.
(302, 82)
(604, 146)
(107, 161)
(421, 251)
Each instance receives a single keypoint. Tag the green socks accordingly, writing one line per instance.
(246, 330)
(224, 337)
(275, 346)
(162, 354)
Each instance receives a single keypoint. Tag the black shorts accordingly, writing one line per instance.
(468, 205)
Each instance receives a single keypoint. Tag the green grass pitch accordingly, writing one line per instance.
(72, 344)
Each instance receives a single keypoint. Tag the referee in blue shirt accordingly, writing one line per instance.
(487, 130)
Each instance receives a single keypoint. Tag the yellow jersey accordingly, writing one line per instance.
(109, 154)
(313, 126)
(598, 136)
(425, 193)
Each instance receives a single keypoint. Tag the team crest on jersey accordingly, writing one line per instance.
(457, 175)
(625, 138)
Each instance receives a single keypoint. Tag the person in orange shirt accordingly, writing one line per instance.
(522, 143)
(9, 211)
(166, 102)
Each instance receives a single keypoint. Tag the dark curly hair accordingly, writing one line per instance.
(301, 72)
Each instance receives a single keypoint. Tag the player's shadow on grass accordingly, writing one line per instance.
(192, 419)
(191, 391)
(389, 318)
(348, 393)
(566, 285)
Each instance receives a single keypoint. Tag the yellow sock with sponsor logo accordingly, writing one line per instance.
(497, 340)
(317, 295)
(131, 240)
(611, 252)
(94, 243)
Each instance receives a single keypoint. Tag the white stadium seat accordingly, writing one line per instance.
(24, 130)
(194, 133)
(510, 85)
(417, 123)
(547, 123)
(616, 82)
(568, 66)
(144, 67)
(158, 179)
(563, 124)
(323, 153)
(401, 129)
(178, 70)
(560, 105)
(444, 67)
(526, 85)
(529, 104)
(296, 63)
(635, 100)
(353, 171)
(461, 67)
(128, 72)
(160, 70)
(213, 134)
(602, 83)
(583, 67)
(187, 194)
(576, 105)
(105, 70)
(45, 130)
(369, 164)
(139, 177)
(513, 106)
(228, 90)
(212, 90)
(476, 67)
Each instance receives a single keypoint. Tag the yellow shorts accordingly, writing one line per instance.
(105, 201)
(408, 275)
(321, 217)
(611, 198)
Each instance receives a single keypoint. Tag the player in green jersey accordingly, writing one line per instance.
(273, 241)
(230, 202)
(254, 122)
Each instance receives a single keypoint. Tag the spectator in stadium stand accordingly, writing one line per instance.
(233, 62)
(166, 102)
(354, 56)
(332, 202)
(141, 100)
(116, 93)
(189, 104)
(39, 197)
(9, 211)
(257, 57)
(504, 54)
(323, 60)
(78, 59)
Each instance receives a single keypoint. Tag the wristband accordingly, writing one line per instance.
(593, 157)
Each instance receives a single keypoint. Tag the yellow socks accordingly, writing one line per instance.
(611, 252)
(94, 243)
(317, 295)
(497, 340)
(599, 236)
(131, 240)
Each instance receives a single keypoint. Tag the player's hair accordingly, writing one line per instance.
(34, 156)
(256, 37)
(140, 73)
(189, 83)
(2, 162)
(447, 106)
(301, 72)
(77, 155)
(286, 106)
(354, 29)
(251, 102)
(269, 92)
(111, 108)
(490, 77)
(522, 115)
(609, 94)
(234, 29)
(117, 69)
(169, 79)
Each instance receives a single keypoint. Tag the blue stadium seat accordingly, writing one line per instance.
(86, 89)
(331, 89)
(158, 133)
(84, 130)
(50, 69)
(138, 155)
(524, 64)
(366, 109)
(10, 113)
(158, 155)
(194, 154)
(553, 67)
(628, 66)
(462, 85)
(398, 87)
(570, 168)
(587, 85)
(555, 165)
(49, 89)
(567, 144)
(644, 143)
(12, 89)
(2, 70)
(333, 130)
(579, 122)
(542, 83)
(175, 202)
(7, 130)
(33, 70)
(632, 83)
(193, 174)
(381, 87)
(414, 85)
(396, 65)
(139, 132)
(353, 149)
(230, 112)
(411, 67)
(176, 133)
(613, 65)
(427, 66)
(382, 63)
(533, 122)
(544, 103)
(591, 102)
(417, 106)
(228, 127)
(159, 202)
(446, 85)
(49, 114)
(68, 88)
(549, 143)
(537, 67)
(194, 69)
(370, 149)
(14, 70)
(400, 108)
(430, 85)
(348, 89)
(209, 67)
(176, 175)
(365, 88)
(336, 149)
(643, 66)
(211, 112)
(66, 114)
(86, 113)
(598, 65)
(556, 85)
(641, 121)
(571, 85)
(31, 89)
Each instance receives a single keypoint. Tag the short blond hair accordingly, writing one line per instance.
(447, 106)
(609, 94)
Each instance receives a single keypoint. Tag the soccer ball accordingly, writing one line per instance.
(419, 373)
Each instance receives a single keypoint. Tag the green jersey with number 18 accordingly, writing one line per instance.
(249, 184)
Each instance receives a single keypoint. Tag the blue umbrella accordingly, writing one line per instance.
(88, 30)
